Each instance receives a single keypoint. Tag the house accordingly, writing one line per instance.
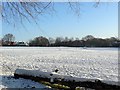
(21, 44)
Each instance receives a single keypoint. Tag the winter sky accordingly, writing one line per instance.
(99, 22)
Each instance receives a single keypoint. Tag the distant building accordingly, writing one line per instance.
(21, 44)
(11, 43)
(6, 43)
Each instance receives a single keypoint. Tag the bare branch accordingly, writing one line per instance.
(27, 10)
(12, 11)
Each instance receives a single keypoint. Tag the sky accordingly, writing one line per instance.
(101, 21)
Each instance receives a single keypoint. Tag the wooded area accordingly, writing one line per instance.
(87, 41)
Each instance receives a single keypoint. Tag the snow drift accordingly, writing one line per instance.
(71, 81)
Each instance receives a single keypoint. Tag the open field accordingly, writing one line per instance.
(91, 63)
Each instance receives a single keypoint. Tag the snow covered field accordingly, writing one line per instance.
(91, 63)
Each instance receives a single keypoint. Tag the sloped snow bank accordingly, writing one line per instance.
(53, 75)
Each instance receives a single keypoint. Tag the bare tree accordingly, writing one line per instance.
(12, 11)
(18, 11)
(51, 40)
(8, 38)
(59, 39)
(66, 39)
(39, 41)
(88, 37)
(0, 42)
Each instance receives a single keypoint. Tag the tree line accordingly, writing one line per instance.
(87, 41)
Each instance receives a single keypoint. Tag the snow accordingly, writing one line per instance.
(35, 73)
(10, 82)
(90, 63)
(54, 75)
